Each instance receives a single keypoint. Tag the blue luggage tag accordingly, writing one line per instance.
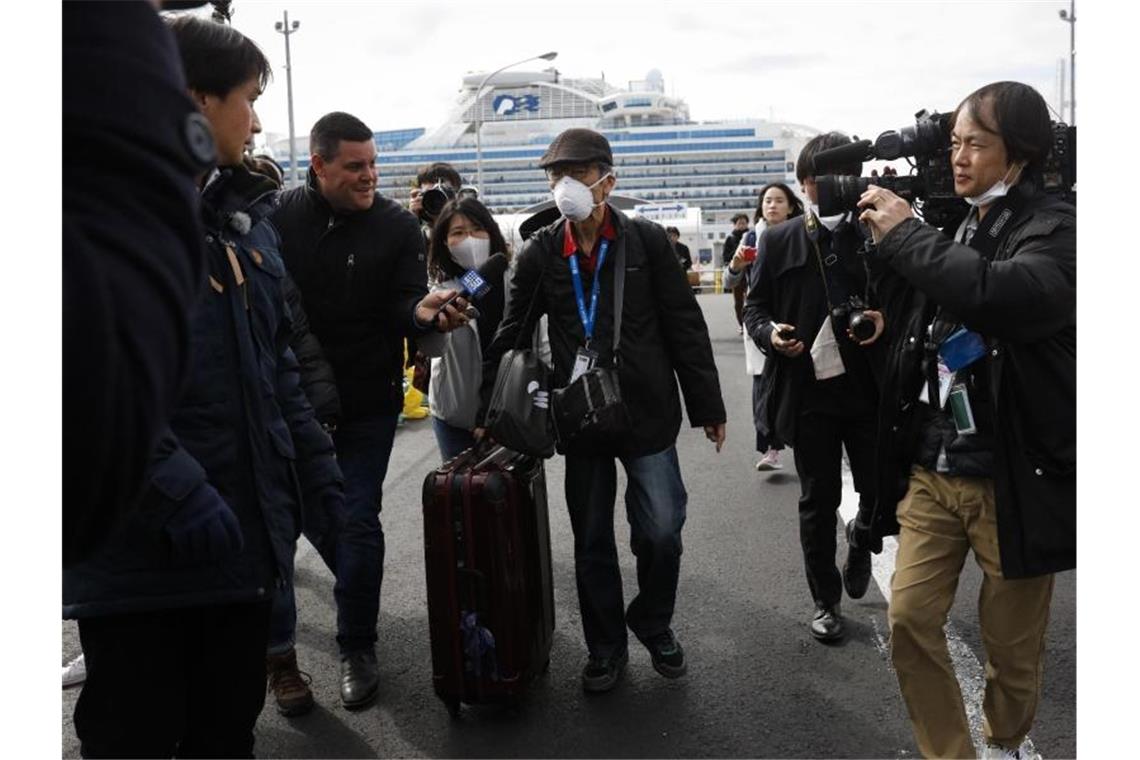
(961, 349)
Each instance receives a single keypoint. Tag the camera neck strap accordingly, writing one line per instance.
(991, 231)
(834, 284)
(995, 226)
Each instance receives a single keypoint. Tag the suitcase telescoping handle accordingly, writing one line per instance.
(487, 452)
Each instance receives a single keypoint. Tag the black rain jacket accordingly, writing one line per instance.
(1023, 303)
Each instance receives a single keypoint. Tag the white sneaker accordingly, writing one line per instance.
(74, 672)
(998, 752)
(769, 461)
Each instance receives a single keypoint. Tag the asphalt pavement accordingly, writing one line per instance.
(758, 685)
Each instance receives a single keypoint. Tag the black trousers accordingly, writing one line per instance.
(173, 683)
(818, 449)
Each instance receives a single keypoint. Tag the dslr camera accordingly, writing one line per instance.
(438, 195)
(853, 313)
(930, 186)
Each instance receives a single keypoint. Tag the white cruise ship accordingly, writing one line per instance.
(693, 175)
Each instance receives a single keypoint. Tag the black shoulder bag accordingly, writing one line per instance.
(518, 416)
(591, 408)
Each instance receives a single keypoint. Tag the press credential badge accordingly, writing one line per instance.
(584, 361)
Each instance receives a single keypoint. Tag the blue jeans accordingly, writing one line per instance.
(655, 501)
(355, 553)
(452, 440)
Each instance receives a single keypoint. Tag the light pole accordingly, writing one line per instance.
(478, 121)
(286, 30)
(1070, 17)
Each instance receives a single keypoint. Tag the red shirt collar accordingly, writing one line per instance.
(569, 247)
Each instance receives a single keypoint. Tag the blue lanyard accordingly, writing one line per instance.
(576, 278)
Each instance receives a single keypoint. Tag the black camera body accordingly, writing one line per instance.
(930, 188)
(435, 198)
(853, 313)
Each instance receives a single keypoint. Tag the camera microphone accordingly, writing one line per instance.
(856, 152)
(478, 283)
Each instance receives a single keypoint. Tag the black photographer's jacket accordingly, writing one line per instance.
(786, 286)
(1023, 303)
(360, 276)
(664, 338)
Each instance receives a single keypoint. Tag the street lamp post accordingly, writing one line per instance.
(478, 121)
(1070, 17)
(287, 30)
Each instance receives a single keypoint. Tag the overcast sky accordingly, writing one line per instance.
(861, 67)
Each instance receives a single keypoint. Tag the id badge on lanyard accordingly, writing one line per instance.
(585, 358)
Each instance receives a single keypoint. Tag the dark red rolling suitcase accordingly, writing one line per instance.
(489, 586)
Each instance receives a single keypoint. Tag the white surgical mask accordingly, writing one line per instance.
(471, 252)
(999, 190)
(574, 199)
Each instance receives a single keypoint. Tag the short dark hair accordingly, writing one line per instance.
(805, 164)
(440, 265)
(737, 217)
(674, 230)
(330, 129)
(217, 58)
(440, 170)
(1018, 115)
(797, 205)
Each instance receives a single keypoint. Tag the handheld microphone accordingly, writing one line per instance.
(478, 283)
(855, 152)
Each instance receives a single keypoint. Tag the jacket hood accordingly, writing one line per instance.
(237, 200)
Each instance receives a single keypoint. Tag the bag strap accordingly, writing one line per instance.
(619, 294)
(530, 309)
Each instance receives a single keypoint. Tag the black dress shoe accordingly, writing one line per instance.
(359, 678)
(827, 623)
(857, 567)
(602, 673)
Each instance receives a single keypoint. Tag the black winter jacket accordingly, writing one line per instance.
(1024, 304)
(360, 276)
(731, 243)
(317, 377)
(664, 337)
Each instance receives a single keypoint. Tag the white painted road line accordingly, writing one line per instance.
(967, 667)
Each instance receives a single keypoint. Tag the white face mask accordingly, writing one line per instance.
(999, 190)
(471, 252)
(574, 199)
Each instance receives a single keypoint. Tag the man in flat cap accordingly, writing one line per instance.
(567, 271)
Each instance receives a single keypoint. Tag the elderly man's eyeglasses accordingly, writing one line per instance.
(580, 172)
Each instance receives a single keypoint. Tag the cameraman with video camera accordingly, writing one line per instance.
(985, 322)
(807, 311)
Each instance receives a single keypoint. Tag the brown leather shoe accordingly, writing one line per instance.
(289, 685)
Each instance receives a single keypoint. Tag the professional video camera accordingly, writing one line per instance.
(930, 188)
